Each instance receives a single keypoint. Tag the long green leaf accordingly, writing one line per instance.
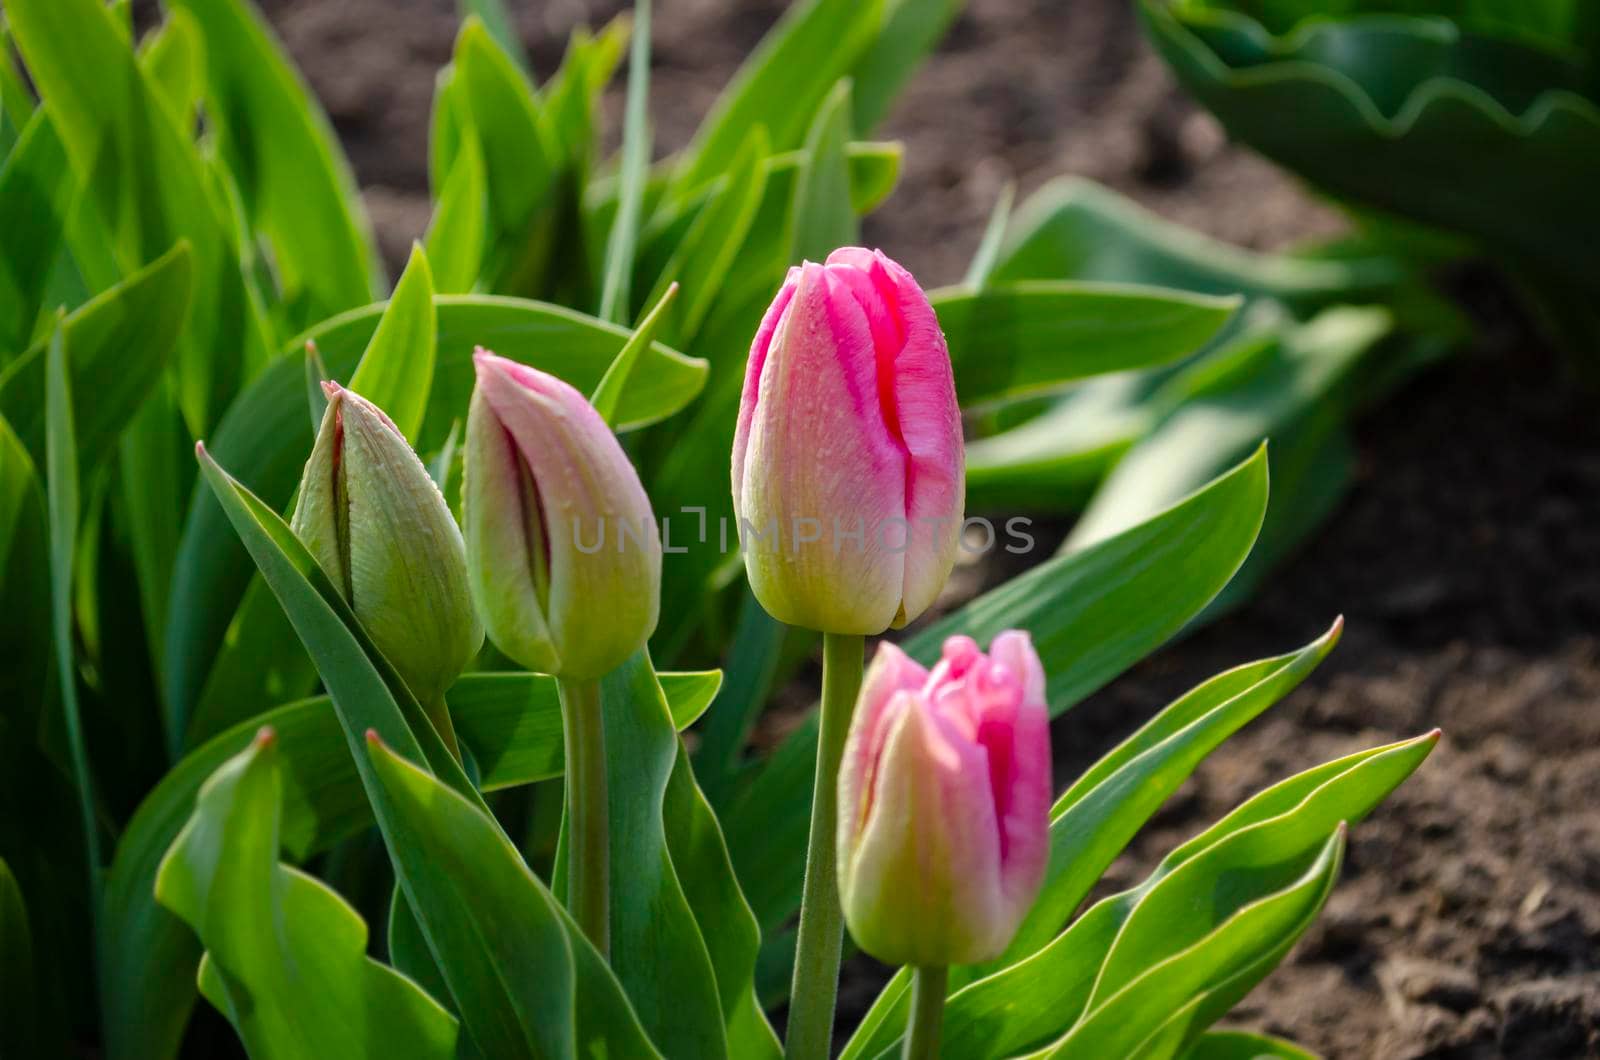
(615, 296)
(1091, 616)
(911, 29)
(285, 955)
(822, 218)
(35, 190)
(510, 723)
(118, 345)
(458, 234)
(1016, 339)
(396, 370)
(19, 1032)
(783, 82)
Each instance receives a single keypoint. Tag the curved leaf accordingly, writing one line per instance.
(396, 370)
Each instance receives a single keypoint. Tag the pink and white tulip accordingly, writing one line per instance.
(944, 802)
(848, 466)
(562, 546)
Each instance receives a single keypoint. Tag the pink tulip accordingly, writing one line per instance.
(848, 466)
(944, 802)
(562, 547)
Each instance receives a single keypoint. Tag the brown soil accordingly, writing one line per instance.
(1468, 922)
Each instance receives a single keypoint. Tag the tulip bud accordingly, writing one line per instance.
(944, 802)
(563, 548)
(380, 530)
(848, 467)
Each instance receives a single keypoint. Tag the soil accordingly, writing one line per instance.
(1468, 920)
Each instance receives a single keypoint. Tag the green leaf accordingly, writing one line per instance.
(297, 187)
(265, 439)
(553, 992)
(822, 218)
(701, 259)
(35, 190)
(1244, 1045)
(173, 58)
(1091, 615)
(994, 234)
(782, 84)
(396, 370)
(147, 183)
(118, 346)
(615, 298)
(510, 723)
(19, 1033)
(1075, 229)
(1246, 945)
(459, 232)
(911, 29)
(1282, 827)
(1017, 339)
(495, 17)
(285, 955)
(614, 383)
(1396, 103)
(61, 492)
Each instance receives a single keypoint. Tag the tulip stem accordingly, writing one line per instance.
(816, 960)
(928, 985)
(588, 826)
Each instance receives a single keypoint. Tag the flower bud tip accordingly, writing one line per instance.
(331, 388)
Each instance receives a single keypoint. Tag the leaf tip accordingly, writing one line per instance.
(266, 737)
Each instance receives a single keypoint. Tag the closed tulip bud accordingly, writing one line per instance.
(380, 530)
(564, 552)
(944, 802)
(848, 473)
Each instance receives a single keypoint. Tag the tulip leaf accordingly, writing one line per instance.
(295, 183)
(148, 181)
(1244, 1045)
(459, 231)
(1091, 615)
(285, 956)
(497, 20)
(410, 804)
(614, 383)
(1012, 340)
(19, 1033)
(395, 372)
(1224, 964)
(1264, 843)
(707, 250)
(118, 345)
(35, 191)
(615, 295)
(1075, 229)
(994, 234)
(173, 58)
(510, 723)
(781, 86)
(62, 494)
(822, 217)
(265, 439)
(911, 29)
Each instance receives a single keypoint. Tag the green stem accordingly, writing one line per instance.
(816, 959)
(928, 986)
(588, 838)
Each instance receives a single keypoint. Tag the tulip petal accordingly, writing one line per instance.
(597, 523)
(821, 464)
(891, 671)
(923, 886)
(1022, 798)
(752, 374)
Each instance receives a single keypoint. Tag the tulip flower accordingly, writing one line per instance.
(944, 800)
(563, 547)
(379, 528)
(565, 563)
(848, 477)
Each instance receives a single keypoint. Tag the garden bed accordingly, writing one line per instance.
(1464, 559)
